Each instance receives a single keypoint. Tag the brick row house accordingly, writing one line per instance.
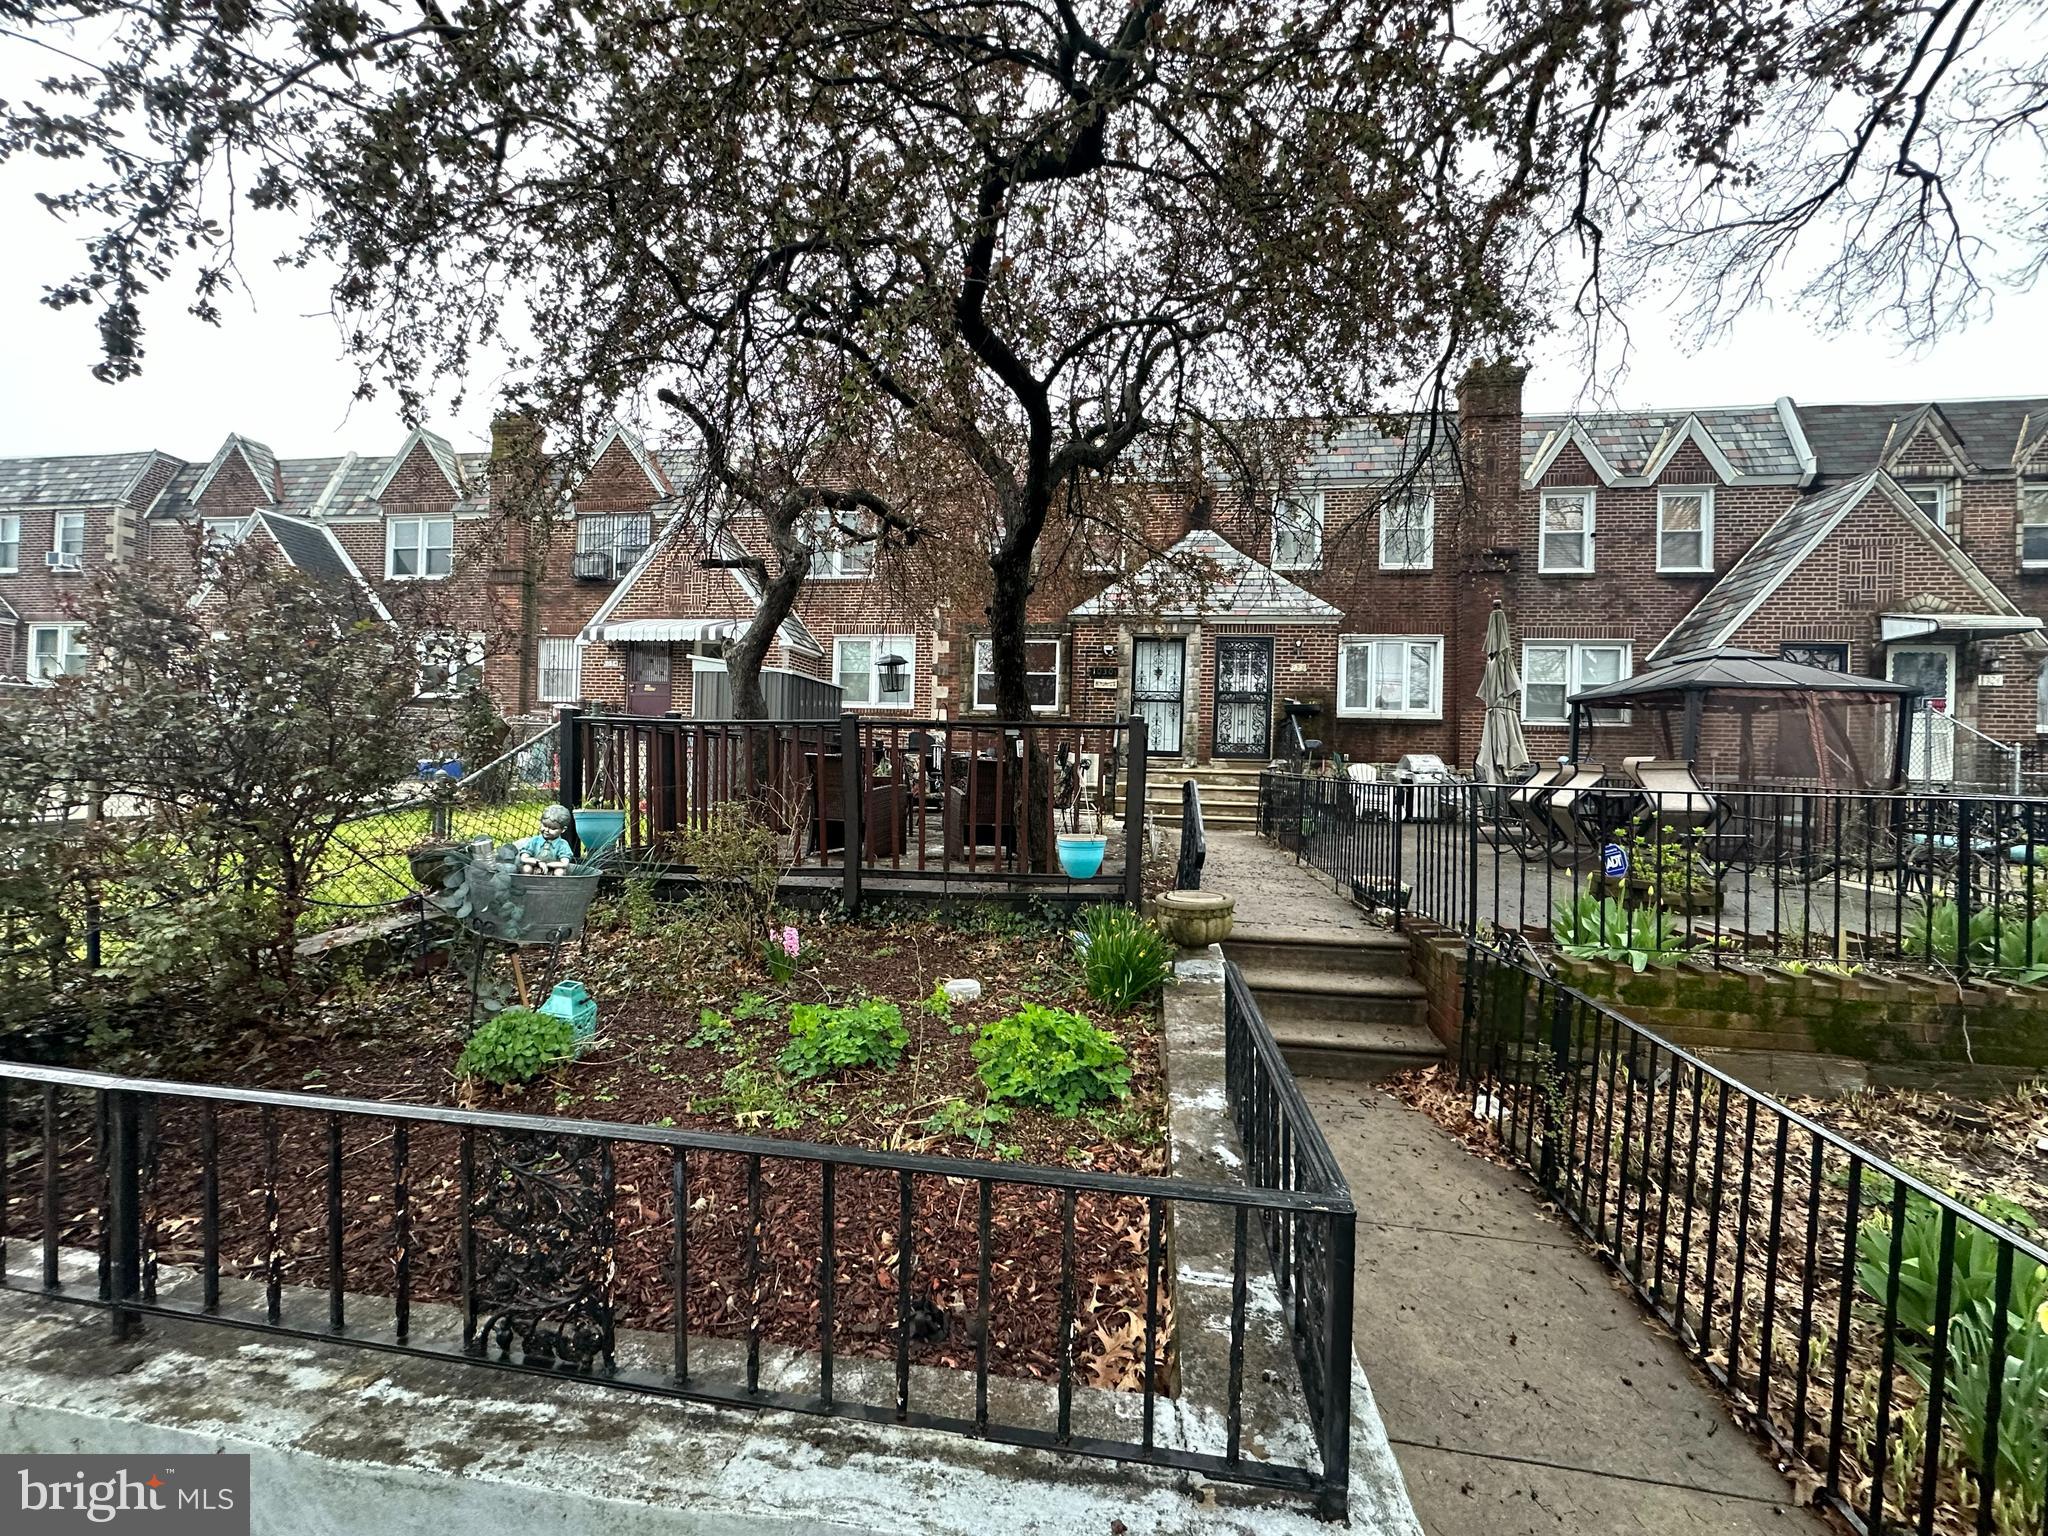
(1907, 541)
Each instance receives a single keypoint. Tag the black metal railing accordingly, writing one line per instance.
(665, 1261)
(1311, 1255)
(1957, 884)
(1890, 1339)
(1194, 843)
(914, 800)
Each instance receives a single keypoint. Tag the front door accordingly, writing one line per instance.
(1158, 668)
(1930, 670)
(1244, 697)
(648, 691)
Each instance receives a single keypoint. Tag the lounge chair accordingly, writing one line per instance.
(1566, 829)
(1673, 798)
(1516, 813)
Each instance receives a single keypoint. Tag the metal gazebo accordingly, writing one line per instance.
(1744, 717)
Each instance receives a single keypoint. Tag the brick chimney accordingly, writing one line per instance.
(518, 482)
(1490, 448)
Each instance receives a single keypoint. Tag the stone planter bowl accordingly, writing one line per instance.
(1195, 919)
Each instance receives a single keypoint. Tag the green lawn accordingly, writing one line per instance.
(365, 867)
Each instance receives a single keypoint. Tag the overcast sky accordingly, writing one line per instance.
(273, 369)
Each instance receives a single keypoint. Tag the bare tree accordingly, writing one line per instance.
(1046, 234)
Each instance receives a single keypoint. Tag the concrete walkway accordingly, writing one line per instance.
(1274, 894)
(1522, 1390)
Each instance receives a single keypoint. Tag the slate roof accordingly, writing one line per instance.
(92, 479)
(1205, 576)
(310, 548)
(1850, 439)
(1753, 439)
(1766, 563)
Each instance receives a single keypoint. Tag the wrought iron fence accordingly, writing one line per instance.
(1194, 842)
(1957, 884)
(676, 1262)
(917, 800)
(1890, 1340)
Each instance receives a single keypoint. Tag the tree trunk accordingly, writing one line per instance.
(1008, 613)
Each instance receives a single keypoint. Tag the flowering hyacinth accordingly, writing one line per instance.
(789, 942)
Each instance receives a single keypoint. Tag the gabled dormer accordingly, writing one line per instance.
(1571, 451)
(1923, 453)
(241, 478)
(1687, 453)
(424, 471)
(615, 503)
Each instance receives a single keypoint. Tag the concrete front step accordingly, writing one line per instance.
(1357, 1051)
(1337, 1001)
(1267, 952)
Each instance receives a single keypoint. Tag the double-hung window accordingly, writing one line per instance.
(68, 536)
(220, 532)
(622, 537)
(10, 544)
(1564, 542)
(1394, 675)
(1408, 531)
(1685, 529)
(836, 554)
(55, 650)
(876, 671)
(1554, 670)
(1041, 675)
(419, 548)
(1934, 497)
(2034, 525)
(561, 669)
(450, 663)
(1298, 532)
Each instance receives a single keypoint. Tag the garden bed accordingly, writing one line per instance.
(689, 1033)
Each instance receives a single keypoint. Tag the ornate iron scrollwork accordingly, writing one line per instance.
(545, 1267)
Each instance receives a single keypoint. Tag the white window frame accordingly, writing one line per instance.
(1306, 517)
(1587, 500)
(424, 547)
(984, 648)
(10, 541)
(2033, 497)
(1574, 678)
(1705, 496)
(69, 645)
(1369, 647)
(554, 645)
(1407, 502)
(61, 545)
(220, 532)
(879, 645)
(445, 682)
(1944, 498)
(834, 561)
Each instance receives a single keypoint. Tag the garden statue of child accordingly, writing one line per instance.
(547, 851)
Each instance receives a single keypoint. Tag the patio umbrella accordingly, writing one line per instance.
(1502, 749)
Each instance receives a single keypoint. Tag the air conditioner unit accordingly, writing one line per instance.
(593, 565)
(61, 560)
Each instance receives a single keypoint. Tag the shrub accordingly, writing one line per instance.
(2005, 941)
(516, 1046)
(1601, 928)
(740, 860)
(1126, 958)
(1050, 1057)
(822, 1041)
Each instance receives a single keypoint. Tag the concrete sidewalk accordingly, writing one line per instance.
(1522, 1391)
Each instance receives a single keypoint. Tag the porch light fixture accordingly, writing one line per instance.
(894, 673)
(1992, 662)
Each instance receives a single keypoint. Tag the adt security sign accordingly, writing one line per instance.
(1614, 862)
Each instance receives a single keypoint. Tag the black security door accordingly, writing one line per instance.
(1244, 697)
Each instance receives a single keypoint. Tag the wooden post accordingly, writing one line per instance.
(851, 780)
(1134, 816)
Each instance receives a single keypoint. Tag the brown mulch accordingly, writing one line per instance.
(655, 1064)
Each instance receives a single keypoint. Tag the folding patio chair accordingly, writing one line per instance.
(1566, 829)
(1673, 797)
(1521, 816)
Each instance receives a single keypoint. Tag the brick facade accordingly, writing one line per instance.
(522, 589)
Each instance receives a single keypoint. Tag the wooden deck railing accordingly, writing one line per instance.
(948, 800)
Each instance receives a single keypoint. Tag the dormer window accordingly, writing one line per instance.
(2034, 526)
(1565, 538)
(1685, 529)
